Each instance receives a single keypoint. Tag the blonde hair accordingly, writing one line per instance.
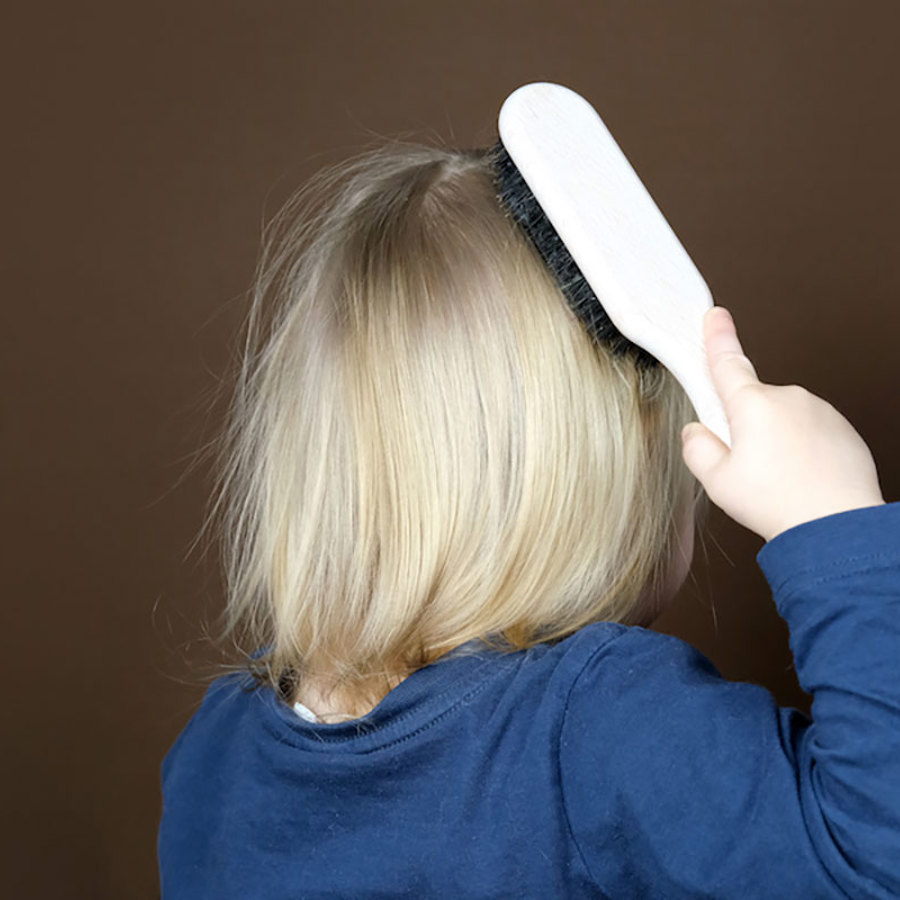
(425, 446)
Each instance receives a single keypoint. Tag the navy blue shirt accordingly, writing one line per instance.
(616, 763)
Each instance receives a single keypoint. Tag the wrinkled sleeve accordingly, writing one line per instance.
(679, 783)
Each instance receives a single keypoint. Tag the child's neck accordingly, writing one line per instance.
(309, 695)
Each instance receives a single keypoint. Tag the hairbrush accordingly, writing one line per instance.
(563, 178)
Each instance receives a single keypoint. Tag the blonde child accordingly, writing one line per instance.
(449, 518)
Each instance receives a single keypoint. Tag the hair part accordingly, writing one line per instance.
(424, 445)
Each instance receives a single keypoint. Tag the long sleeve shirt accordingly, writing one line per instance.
(616, 763)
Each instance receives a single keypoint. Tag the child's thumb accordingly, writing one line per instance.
(702, 451)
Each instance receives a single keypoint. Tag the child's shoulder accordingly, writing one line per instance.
(609, 641)
(614, 659)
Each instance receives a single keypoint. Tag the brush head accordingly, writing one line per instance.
(523, 206)
(630, 279)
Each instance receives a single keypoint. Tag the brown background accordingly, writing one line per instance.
(146, 143)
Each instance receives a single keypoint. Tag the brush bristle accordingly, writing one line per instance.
(517, 198)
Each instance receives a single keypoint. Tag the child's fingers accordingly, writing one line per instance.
(728, 364)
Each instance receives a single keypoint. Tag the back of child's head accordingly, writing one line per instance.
(425, 445)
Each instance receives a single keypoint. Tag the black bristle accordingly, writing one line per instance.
(518, 200)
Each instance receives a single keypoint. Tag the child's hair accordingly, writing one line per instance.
(425, 447)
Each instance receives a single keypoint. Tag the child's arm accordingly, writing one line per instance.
(677, 783)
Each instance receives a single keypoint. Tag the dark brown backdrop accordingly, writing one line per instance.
(145, 143)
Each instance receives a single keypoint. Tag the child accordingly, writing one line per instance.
(450, 516)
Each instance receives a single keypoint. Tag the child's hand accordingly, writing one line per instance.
(793, 457)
